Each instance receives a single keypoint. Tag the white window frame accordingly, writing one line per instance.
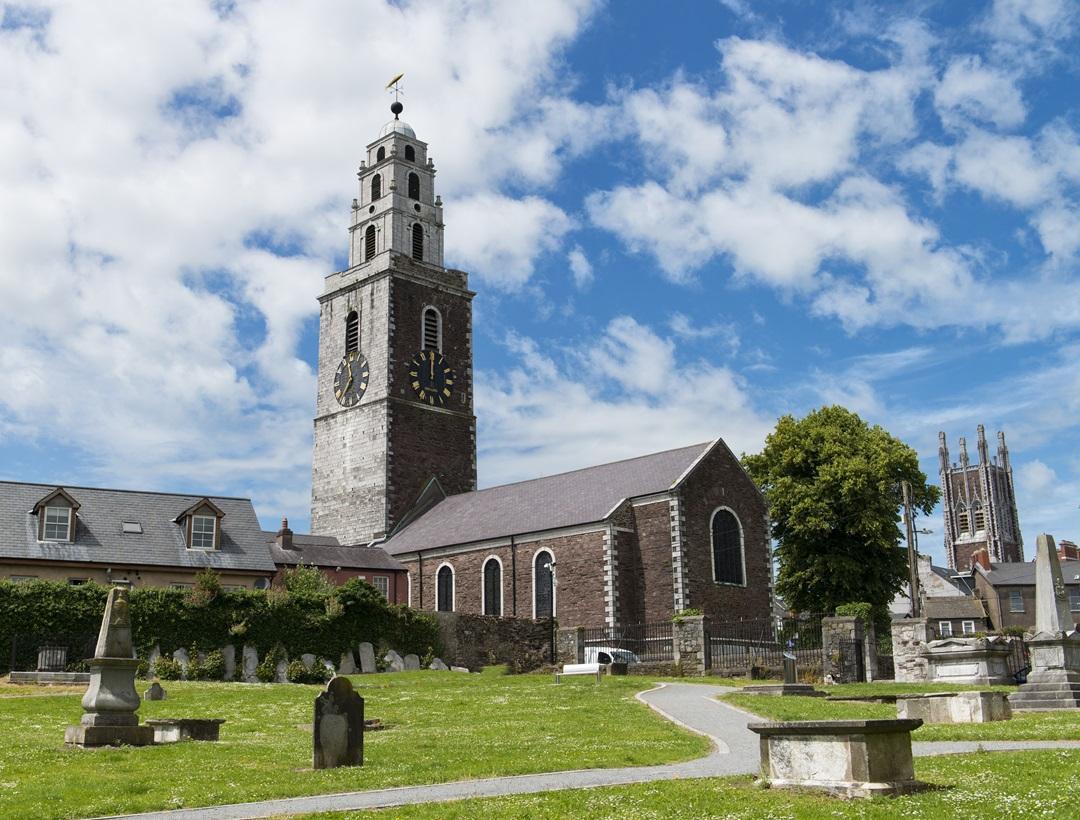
(45, 523)
(453, 587)
(944, 629)
(712, 550)
(408, 589)
(21, 579)
(438, 316)
(386, 585)
(967, 627)
(1016, 596)
(554, 583)
(213, 532)
(483, 587)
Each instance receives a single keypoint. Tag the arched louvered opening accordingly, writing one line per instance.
(543, 585)
(417, 241)
(410, 153)
(369, 242)
(431, 330)
(444, 589)
(414, 186)
(380, 155)
(727, 548)
(979, 516)
(492, 587)
(352, 332)
(963, 519)
(376, 187)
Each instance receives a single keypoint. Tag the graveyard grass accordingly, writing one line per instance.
(1003, 785)
(443, 726)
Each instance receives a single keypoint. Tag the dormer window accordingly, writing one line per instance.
(201, 525)
(56, 514)
(203, 532)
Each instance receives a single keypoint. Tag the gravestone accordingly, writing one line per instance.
(250, 664)
(174, 730)
(347, 665)
(152, 658)
(111, 702)
(367, 658)
(1054, 680)
(412, 663)
(281, 671)
(438, 665)
(228, 655)
(458, 669)
(181, 657)
(308, 660)
(155, 692)
(790, 686)
(977, 661)
(394, 661)
(339, 726)
(790, 675)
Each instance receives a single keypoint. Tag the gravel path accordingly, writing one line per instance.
(689, 704)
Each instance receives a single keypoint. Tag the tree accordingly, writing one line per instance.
(833, 486)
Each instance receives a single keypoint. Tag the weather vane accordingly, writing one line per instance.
(395, 86)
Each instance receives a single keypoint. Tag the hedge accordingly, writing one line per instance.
(323, 622)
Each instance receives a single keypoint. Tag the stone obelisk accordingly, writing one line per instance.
(1054, 680)
(111, 701)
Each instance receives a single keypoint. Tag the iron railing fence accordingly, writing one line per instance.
(50, 653)
(743, 645)
(651, 643)
(1019, 657)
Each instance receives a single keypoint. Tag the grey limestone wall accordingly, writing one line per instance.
(833, 631)
(908, 636)
(688, 633)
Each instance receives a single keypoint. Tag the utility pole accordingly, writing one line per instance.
(912, 554)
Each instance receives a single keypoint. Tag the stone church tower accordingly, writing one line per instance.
(394, 401)
(979, 504)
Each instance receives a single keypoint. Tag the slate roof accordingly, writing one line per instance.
(324, 551)
(99, 539)
(953, 606)
(1023, 572)
(563, 500)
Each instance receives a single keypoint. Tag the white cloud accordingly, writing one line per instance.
(971, 90)
(685, 328)
(580, 267)
(1035, 478)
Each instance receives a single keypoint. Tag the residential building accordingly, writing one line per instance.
(1008, 590)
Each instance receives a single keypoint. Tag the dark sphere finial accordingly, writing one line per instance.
(396, 108)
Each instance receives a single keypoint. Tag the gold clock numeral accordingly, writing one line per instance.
(363, 385)
(446, 392)
(337, 393)
(423, 395)
(416, 385)
(431, 399)
(413, 373)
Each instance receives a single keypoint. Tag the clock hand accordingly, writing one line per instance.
(433, 370)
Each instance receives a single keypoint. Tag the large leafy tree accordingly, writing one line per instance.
(833, 486)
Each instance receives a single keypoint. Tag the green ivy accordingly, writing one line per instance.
(325, 622)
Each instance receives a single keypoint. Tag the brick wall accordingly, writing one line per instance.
(719, 481)
(653, 524)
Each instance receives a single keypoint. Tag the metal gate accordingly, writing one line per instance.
(851, 666)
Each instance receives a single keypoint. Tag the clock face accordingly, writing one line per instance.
(351, 379)
(431, 377)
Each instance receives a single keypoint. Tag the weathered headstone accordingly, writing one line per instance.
(281, 671)
(412, 663)
(154, 692)
(458, 669)
(339, 726)
(438, 665)
(1054, 680)
(347, 665)
(228, 655)
(790, 675)
(111, 701)
(152, 659)
(367, 658)
(250, 664)
(308, 660)
(394, 661)
(181, 657)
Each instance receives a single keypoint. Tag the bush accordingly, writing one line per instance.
(168, 668)
(212, 667)
(298, 673)
(303, 580)
(266, 671)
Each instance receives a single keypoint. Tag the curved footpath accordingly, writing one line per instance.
(692, 705)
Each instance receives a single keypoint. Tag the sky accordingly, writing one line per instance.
(682, 221)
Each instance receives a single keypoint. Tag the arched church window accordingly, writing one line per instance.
(727, 548)
(492, 587)
(543, 585)
(376, 187)
(380, 155)
(979, 516)
(410, 153)
(369, 243)
(417, 241)
(431, 330)
(352, 332)
(414, 186)
(444, 589)
(963, 521)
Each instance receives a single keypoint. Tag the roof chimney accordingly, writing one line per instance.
(982, 558)
(284, 536)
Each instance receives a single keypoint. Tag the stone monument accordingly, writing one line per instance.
(975, 661)
(790, 686)
(155, 692)
(367, 658)
(412, 663)
(111, 701)
(339, 726)
(394, 662)
(1054, 680)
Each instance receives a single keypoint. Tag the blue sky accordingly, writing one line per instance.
(682, 220)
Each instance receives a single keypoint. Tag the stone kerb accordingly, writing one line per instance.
(850, 758)
(689, 643)
(908, 637)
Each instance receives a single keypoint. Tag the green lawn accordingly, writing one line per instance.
(1003, 785)
(443, 726)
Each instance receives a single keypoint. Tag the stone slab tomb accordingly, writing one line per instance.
(954, 707)
(976, 661)
(338, 726)
(367, 658)
(173, 730)
(847, 758)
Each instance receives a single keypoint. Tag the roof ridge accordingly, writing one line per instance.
(590, 467)
(122, 490)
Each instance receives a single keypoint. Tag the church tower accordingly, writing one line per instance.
(978, 504)
(394, 399)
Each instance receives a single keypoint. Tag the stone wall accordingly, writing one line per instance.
(655, 583)
(833, 631)
(691, 652)
(908, 636)
(473, 641)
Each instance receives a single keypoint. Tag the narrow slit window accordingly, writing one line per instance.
(352, 332)
(492, 587)
(543, 586)
(432, 330)
(414, 186)
(417, 242)
(376, 187)
(727, 548)
(445, 589)
(410, 153)
(369, 243)
(380, 155)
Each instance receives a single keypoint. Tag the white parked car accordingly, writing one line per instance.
(609, 654)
